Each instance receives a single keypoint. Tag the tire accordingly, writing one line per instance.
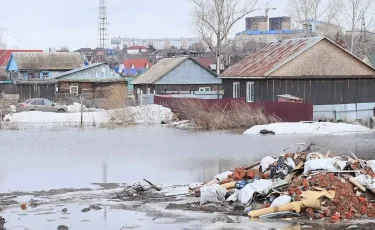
(32, 110)
(60, 111)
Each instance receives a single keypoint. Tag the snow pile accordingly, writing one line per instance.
(76, 107)
(316, 128)
(151, 114)
(45, 117)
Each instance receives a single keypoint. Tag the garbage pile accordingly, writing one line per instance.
(307, 184)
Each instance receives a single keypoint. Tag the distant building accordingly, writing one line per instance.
(265, 36)
(323, 29)
(275, 23)
(256, 23)
(135, 67)
(37, 65)
(280, 23)
(159, 44)
(136, 49)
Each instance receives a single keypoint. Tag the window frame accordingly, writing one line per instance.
(250, 91)
(204, 89)
(236, 92)
(73, 86)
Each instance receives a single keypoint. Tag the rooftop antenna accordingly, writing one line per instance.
(103, 25)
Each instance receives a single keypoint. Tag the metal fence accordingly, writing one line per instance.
(346, 112)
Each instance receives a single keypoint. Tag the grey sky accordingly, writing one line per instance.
(53, 23)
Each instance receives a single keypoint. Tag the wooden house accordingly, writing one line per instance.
(314, 69)
(92, 81)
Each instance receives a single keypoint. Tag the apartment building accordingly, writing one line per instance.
(159, 44)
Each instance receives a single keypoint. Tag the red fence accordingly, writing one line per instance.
(287, 111)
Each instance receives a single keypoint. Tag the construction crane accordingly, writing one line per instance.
(267, 9)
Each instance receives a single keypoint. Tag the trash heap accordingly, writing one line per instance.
(305, 184)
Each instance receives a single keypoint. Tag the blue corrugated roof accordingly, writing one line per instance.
(260, 32)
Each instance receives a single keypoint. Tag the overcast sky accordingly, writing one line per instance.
(40, 24)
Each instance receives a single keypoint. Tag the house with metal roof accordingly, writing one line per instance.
(314, 69)
(36, 65)
(176, 75)
(92, 81)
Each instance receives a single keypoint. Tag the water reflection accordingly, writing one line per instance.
(36, 160)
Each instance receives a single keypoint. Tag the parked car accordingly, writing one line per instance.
(40, 104)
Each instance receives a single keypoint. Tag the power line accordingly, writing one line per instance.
(15, 37)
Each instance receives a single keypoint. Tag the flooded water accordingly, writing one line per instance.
(36, 160)
(74, 158)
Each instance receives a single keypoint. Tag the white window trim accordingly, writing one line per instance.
(72, 87)
(249, 94)
(204, 89)
(234, 91)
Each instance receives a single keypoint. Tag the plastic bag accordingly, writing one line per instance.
(266, 162)
(290, 162)
(320, 164)
(220, 177)
(281, 200)
(212, 194)
(371, 164)
(246, 194)
(364, 180)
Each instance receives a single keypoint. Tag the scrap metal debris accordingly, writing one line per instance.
(315, 185)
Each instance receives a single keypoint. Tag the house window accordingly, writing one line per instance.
(204, 89)
(45, 75)
(249, 91)
(74, 89)
(236, 89)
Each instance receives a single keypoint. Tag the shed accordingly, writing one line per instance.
(174, 75)
(92, 81)
(314, 69)
(32, 65)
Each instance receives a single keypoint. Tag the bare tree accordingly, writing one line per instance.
(64, 49)
(332, 10)
(214, 19)
(302, 11)
(353, 14)
(198, 47)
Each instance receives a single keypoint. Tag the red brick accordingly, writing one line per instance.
(250, 174)
(305, 183)
(363, 210)
(362, 199)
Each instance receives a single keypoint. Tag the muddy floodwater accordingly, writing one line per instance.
(43, 160)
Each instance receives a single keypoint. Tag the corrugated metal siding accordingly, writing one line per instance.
(346, 112)
(189, 72)
(314, 91)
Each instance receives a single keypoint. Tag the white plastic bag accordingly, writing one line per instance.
(246, 194)
(220, 177)
(319, 164)
(281, 200)
(364, 180)
(234, 196)
(212, 194)
(266, 162)
(371, 164)
(290, 162)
